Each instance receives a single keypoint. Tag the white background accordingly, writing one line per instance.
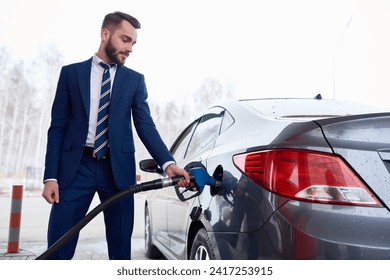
(261, 48)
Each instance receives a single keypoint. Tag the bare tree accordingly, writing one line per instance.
(26, 92)
(50, 61)
(18, 94)
(210, 92)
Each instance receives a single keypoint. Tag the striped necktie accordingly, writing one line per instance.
(101, 138)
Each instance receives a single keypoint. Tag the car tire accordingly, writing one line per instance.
(201, 248)
(151, 250)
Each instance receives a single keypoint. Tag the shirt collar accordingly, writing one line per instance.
(96, 60)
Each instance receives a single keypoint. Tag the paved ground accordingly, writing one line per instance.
(88, 249)
(35, 212)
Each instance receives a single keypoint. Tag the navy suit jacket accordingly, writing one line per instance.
(70, 117)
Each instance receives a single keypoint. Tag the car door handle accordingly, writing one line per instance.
(384, 154)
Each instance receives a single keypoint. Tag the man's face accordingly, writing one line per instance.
(120, 42)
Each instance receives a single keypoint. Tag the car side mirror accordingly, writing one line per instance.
(151, 166)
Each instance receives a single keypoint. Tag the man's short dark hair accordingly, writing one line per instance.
(113, 19)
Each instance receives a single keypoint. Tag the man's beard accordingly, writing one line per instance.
(112, 53)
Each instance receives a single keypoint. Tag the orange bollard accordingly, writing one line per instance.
(15, 219)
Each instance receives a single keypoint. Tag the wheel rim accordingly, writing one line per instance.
(147, 230)
(201, 253)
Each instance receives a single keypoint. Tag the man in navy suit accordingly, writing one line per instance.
(73, 172)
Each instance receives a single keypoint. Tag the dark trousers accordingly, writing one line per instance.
(92, 176)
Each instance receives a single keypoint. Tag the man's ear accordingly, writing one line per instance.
(105, 34)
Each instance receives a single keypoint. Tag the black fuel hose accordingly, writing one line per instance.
(145, 186)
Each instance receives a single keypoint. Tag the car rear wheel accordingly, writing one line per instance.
(151, 250)
(202, 247)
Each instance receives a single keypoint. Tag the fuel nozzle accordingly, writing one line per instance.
(202, 178)
(199, 179)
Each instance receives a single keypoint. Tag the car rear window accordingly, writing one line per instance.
(309, 108)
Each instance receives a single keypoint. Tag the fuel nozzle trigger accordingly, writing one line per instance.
(199, 179)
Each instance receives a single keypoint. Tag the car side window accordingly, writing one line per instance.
(179, 148)
(205, 133)
(227, 121)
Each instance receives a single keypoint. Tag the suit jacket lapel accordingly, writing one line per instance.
(84, 79)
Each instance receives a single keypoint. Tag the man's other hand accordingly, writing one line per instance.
(50, 192)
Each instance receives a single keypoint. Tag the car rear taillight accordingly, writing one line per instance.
(306, 175)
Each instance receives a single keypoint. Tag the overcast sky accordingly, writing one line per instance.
(260, 48)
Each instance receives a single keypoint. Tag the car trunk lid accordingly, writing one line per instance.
(364, 142)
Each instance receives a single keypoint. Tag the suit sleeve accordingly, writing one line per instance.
(146, 129)
(58, 125)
